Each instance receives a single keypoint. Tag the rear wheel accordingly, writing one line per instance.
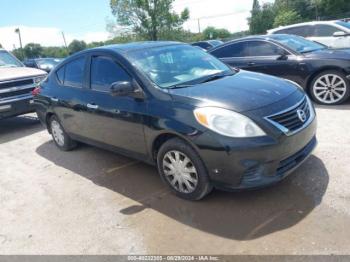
(330, 88)
(182, 170)
(60, 137)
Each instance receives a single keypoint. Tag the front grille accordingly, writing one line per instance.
(17, 93)
(17, 83)
(293, 119)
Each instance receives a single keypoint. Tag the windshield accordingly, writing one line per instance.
(176, 65)
(344, 24)
(297, 43)
(48, 61)
(7, 60)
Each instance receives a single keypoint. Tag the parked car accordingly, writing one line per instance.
(16, 85)
(206, 45)
(334, 34)
(323, 72)
(46, 64)
(175, 106)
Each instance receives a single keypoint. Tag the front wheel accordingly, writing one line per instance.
(181, 168)
(330, 88)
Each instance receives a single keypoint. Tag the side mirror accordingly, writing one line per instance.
(127, 88)
(339, 34)
(122, 88)
(282, 55)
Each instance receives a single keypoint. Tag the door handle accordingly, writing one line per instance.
(251, 63)
(54, 99)
(92, 106)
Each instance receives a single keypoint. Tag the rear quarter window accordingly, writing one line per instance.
(60, 75)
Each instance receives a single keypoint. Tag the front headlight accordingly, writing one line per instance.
(227, 123)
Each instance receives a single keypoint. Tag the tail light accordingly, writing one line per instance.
(36, 91)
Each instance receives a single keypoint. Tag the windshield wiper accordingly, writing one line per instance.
(180, 86)
(215, 77)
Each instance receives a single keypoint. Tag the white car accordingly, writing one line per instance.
(334, 34)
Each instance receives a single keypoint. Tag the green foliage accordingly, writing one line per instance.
(151, 19)
(286, 17)
(216, 33)
(285, 12)
(262, 18)
(334, 8)
(76, 46)
(32, 50)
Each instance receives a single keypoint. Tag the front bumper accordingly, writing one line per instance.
(15, 106)
(236, 164)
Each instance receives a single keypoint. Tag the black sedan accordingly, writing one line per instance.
(323, 72)
(46, 64)
(172, 105)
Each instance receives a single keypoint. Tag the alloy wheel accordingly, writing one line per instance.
(329, 88)
(180, 172)
(57, 133)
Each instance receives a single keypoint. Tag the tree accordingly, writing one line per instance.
(76, 46)
(287, 17)
(33, 50)
(334, 9)
(306, 9)
(149, 18)
(262, 18)
(215, 33)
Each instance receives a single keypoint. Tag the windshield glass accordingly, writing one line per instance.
(7, 60)
(344, 24)
(176, 65)
(48, 61)
(297, 43)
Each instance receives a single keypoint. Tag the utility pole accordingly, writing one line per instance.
(199, 26)
(65, 43)
(18, 31)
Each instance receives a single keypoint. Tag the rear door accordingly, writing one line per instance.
(116, 121)
(68, 98)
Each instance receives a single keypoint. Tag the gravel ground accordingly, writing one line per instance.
(90, 201)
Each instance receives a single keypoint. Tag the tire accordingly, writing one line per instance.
(59, 136)
(330, 87)
(186, 165)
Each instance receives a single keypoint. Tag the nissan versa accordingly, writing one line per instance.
(202, 123)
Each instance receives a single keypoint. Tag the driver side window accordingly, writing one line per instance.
(105, 72)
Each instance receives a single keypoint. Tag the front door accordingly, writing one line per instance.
(116, 121)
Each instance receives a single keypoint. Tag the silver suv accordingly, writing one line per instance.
(16, 85)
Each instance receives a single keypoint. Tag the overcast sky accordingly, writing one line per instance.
(42, 21)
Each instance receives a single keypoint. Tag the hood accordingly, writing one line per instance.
(11, 73)
(241, 92)
(343, 54)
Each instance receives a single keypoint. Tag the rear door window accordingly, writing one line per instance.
(74, 72)
(104, 72)
(304, 31)
(231, 50)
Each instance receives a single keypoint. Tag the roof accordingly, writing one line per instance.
(302, 24)
(138, 45)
